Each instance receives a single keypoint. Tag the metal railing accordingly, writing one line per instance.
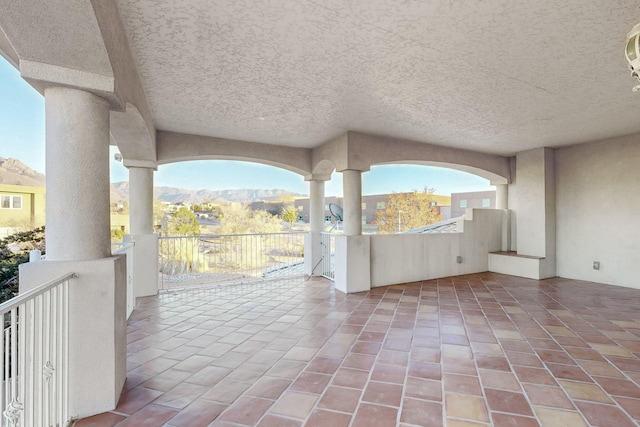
(211, 259)
(34, 391)
(328, 255)
(127, 249)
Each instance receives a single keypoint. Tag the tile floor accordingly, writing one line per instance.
(475, 350)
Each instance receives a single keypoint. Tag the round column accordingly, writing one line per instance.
(502, 196)
(352, 189)
(141, 200)
(77, 168)
(316, 206)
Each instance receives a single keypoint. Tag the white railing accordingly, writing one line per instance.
(328, 254)
(211, 259)
(127, 249)
(34, 391)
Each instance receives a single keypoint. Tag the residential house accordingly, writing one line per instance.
(21, 208)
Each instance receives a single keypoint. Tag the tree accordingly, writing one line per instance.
(184, 223)
(289, 214)
(117, 235)
(14, 250)
(406, 211)
(239, 219)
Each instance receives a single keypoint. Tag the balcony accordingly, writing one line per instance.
(482, 348)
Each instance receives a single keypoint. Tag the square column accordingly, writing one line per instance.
(313, 241)
(534, 199)
(352, 189)
(145, 249)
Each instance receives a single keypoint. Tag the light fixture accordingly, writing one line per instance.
(632, 53)
(117, 157)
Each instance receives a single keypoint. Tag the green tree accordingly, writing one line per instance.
(406, 211)
(239, 219)
(289, 214)
(14, 250)
(184, 223)
(117, 235)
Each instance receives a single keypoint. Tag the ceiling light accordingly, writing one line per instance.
(633, 53)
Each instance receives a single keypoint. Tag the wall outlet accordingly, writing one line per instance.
(596, 265)
(459, 259)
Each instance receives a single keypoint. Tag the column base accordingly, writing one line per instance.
(97, 328)
(145, 265)
(353, 264)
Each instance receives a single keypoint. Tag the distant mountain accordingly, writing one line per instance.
(120, 191)
(14, 172)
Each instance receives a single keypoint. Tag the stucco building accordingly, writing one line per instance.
(370, 206)
(21, 208)
(460, 202)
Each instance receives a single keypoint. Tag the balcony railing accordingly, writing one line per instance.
(36, 356)
(215, 259)
(328, 252)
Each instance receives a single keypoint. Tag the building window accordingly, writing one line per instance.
(433, 203)
(486, 203)
(463, 203)
(364, 219)
(300, 208)
(10, 202)
(364, 206)
(380, 206)
(326, 207)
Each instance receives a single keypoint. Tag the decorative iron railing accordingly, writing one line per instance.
(328, 254)
(34, 391)
(212, 259)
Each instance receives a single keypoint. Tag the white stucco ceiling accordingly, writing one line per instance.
(498, 76)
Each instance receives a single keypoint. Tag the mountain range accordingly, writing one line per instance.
(120, 191)
(14, 172)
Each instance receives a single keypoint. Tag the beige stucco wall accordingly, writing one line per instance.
(402, 258)
(32, 213)
(598, 211)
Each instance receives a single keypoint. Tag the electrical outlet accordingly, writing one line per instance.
(596, 265)
(459, 259)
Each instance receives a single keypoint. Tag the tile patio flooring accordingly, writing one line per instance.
(475, 350)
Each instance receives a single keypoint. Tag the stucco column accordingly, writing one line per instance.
(145, 249)
(502, 196)
(316, 206)
(352, 189)
(141, 200)
(77, 167)
(79, 241)
(313, 242)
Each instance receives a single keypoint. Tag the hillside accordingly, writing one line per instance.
(120, 191)
(14, 172)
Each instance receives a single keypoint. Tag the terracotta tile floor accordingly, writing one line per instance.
(475, 350)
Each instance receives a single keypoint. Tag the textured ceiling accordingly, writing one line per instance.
(497, 76)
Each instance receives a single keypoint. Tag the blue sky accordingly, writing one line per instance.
(22, 136)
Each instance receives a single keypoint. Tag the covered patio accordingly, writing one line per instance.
(476, 350)
(535, 97)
